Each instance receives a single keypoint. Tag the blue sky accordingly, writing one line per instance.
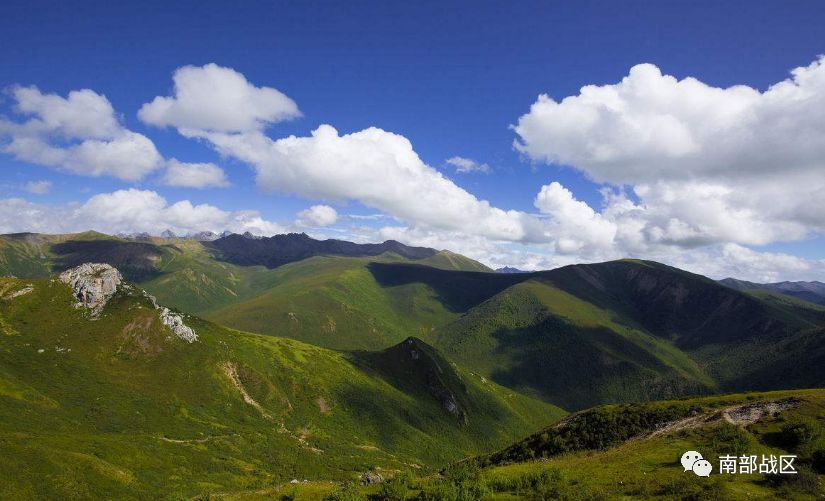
(450, 77)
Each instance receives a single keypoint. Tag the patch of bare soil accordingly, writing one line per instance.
(322, 405)
(232, 373)
(739, 415)
(139, 338)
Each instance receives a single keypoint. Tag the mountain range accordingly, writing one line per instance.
(323, 359)
(813, 292)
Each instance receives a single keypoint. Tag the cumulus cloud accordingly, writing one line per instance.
(708, 165)
(466, 165)
(375, 167)
(680, 184)
(715, 261)
(79, 133)
(194, 175)
(574, 225)
(317, 215)
(38, 187)
(215, 98)
(129, 211)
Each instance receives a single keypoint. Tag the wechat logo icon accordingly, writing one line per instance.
(693, 461)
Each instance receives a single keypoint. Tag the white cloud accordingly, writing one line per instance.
(214, 98)
(81, 114)
(709, 165)
(38, 187)
(716, 261)
(79, 134)
(680, 144)
(766, 266)
(194, 175)
(574, 225)
(318, 215)
(129, 211)
(378, 169)
(465, 165)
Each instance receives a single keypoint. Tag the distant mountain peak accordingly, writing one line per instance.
(509, 269)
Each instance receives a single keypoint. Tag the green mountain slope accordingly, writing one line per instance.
(642, 445)
(629, 330)
(543, 341)
(337, 303)
(331, 301)
(629, 452)
(119, 408)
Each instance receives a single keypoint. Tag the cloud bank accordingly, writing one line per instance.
(79, 134)
(127, 211)
(708, 164)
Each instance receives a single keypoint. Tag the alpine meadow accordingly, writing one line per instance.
(428, 251)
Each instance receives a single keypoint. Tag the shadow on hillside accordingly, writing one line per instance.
(457, 290)
(135, 260)
(576, 367)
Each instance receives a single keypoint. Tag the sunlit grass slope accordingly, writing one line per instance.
(119, 408)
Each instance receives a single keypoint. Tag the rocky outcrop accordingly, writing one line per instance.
(173, 320)
(176, 325)
(93, 284)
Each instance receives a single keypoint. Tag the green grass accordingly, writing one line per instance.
(634, 464)
(649, 467)
(337, 303)
(548, 343)
(115, 408)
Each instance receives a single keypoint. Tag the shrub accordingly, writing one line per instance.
(395, 489)
(441, 491)
(818, 460)
(693, 488)
(347, 492)
(730, 439)
(463, 483)
(806, 480)
(800, 433)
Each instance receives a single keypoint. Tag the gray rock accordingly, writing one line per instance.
(173, 321)
(370, 478)
(93, 284)
(176, 325)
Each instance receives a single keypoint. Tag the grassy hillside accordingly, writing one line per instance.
(118, 408)
(631, 330)
(331, 301)
(634, 450)
(626, 452)
(337, 303)
(543, 341)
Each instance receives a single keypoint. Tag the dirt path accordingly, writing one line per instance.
(739, 415)
(232, 373)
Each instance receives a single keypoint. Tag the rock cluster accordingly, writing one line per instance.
(93, 284)
(173, 321)
(176, 325)
(370, 478)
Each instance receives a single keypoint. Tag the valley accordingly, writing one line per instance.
(330, 360)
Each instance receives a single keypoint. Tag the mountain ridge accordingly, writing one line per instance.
(811, 291)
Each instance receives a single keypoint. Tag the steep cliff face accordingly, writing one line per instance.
(93, 284)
